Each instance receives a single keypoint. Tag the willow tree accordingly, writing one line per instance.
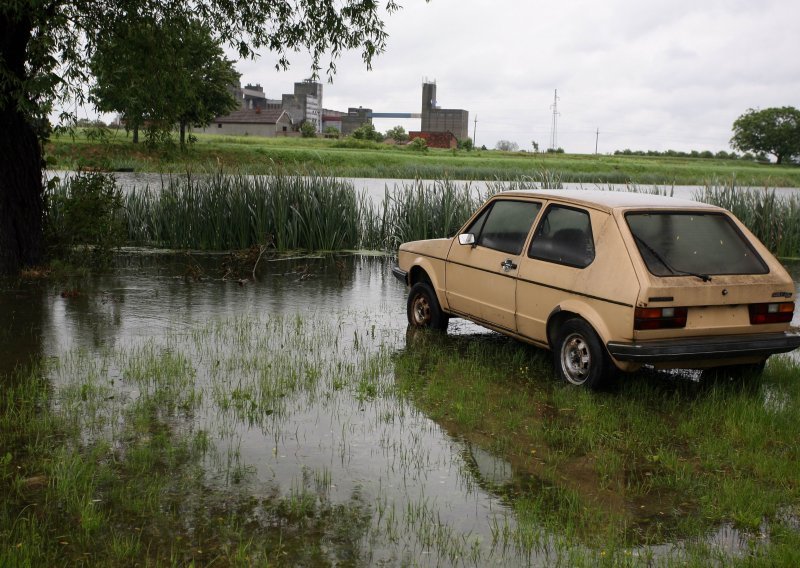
(45, 47)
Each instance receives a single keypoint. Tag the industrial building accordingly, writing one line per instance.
(261, 116)
(435, 119)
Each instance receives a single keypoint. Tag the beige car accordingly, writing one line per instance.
(607, 280)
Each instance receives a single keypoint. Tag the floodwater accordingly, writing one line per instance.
(360, 442)
(375, 188)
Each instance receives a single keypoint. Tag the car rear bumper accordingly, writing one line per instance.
(400, 274)
(698, 348)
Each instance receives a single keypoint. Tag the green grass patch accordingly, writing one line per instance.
(654, 459)
(254, 155)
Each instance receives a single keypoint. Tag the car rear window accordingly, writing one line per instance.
(680, 243)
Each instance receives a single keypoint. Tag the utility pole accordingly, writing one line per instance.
(474, 131)
(596, 139)
(554, 128)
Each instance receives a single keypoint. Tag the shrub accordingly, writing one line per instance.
(308, 130)
(85, 221)
(418, 145)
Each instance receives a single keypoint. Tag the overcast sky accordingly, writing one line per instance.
(649, 74)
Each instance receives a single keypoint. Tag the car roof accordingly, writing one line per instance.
(610, 200)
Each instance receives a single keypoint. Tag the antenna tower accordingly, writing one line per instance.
(554, 127)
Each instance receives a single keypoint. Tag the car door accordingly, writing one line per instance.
(481, 274)
(554, 268)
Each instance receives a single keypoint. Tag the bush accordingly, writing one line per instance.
(84, 219)
(308, 130)
(398, 134)
(418, 145)
(367, 132)
(466, 144)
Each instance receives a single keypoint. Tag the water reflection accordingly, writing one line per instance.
(292, 376)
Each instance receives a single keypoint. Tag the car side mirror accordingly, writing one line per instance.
(466, 239)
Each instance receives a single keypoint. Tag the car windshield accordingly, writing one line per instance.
(700, 244)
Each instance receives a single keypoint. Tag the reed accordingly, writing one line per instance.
(222, 212)
(292, 212)
(774, 220)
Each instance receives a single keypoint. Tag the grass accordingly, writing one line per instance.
(254, 155)
(318, 439)
(654, 460)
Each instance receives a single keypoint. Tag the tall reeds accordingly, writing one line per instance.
(222, 212)
(418, 210)
(774, 219)
(291, 212)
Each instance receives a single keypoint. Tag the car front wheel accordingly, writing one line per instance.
(580, 357)
(423, 308)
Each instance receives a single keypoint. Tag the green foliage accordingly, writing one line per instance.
(85, 221)
(774, 131)
(331, 132)
(397, 133)
(418, 145)
(219, 212)
(186, 80)
(555, 150)
(367, 132)
(466, 144)
(308, 130)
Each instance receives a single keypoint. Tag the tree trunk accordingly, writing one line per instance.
(135, 133)
(21, 191)
(183, 134)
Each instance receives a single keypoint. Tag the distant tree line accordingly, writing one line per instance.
(707, 154)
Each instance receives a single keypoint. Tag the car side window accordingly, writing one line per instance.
(564, 236)
(505, 225)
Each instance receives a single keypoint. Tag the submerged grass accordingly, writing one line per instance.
(254, 441)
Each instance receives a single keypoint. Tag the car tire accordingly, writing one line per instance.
(423, 309)
(580, 357)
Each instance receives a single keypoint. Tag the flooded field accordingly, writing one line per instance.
(178, 412)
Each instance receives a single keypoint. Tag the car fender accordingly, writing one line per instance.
(434, 270)
(585, 311)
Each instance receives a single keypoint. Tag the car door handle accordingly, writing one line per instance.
(508, 264)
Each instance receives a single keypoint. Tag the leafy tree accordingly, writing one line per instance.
(162, 73)
(45, 47)
(773, 131)
(506, 146)
(466, 144)
(367, 132)
(398, 134)
(331, 132)
(308, 130)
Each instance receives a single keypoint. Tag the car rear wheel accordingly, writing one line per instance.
(580, 357)
(423, 308)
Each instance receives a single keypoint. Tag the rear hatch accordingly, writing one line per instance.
(704, 274)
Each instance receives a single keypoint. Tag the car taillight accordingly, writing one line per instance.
(659, 318)
(771, 313)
